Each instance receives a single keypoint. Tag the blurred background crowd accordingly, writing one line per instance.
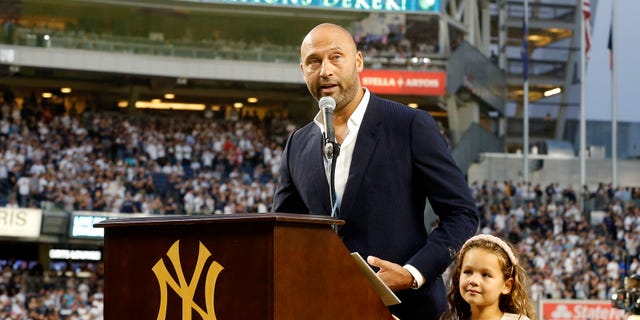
(158, 164)
(143, 163)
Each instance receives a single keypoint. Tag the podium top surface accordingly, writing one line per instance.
(220, 218)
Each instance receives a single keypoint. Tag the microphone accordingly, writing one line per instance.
(327, 105)
(331, 150)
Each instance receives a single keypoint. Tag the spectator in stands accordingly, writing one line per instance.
(408, 165)
(129, 205)
(170, 206)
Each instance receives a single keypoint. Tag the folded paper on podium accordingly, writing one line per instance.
(384, 292)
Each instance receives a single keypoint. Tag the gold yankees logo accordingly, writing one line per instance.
(185, 290)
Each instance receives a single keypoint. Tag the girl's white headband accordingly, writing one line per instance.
(495, 240)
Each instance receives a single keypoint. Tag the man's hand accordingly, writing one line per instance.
(392, 274)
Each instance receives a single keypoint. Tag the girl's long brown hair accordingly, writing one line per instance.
(515, 302)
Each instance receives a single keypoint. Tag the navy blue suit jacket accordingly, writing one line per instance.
(400, 159)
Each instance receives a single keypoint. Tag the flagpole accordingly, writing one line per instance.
(525, 97)
(583, 124)
(614, 105)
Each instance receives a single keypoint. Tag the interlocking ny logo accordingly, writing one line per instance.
(185, 290)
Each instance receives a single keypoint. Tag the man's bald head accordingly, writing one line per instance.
(333, 30)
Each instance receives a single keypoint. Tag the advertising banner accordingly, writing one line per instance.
(404, 82)
(579, 310)
(20, 222)
(357, 5)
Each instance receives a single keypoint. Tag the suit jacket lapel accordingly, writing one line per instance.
(314, 172)
(364, 149)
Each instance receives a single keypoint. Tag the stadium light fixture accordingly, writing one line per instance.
(65, 90)
(252, 99)
(169, 105)
(422, 60)
(551, 92)
(169, 96)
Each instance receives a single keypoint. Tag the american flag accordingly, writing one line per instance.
(586, 13)
(610, 42)
(524, 50)
(610, 46)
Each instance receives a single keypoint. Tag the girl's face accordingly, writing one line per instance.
(481, 280)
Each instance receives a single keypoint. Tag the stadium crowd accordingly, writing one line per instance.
(138, 164)
(120, 162)
(569, 254)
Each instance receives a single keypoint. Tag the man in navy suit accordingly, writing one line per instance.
(392, 159)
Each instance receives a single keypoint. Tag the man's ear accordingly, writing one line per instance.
(359, 61)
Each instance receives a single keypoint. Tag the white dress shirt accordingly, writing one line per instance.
(343, 162)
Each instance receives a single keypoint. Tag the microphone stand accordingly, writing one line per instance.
(332, 151)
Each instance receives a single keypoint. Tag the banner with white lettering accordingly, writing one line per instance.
(20, 222)
(579, 310)
(357, 5)
(404, 82)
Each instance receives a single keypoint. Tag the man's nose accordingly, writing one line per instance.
(327, 69)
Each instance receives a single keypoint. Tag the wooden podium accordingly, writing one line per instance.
(239, 266)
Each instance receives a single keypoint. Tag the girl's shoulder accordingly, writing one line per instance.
(513, 316)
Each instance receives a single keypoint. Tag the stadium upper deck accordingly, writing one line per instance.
(170, 39)
(223, 54)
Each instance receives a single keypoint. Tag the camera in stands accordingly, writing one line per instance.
(628, 298)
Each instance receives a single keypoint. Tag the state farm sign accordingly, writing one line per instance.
(404, 82)
(579, 310)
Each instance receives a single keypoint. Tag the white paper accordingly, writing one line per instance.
(384, 292)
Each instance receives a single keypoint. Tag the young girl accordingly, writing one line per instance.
(488, 282)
